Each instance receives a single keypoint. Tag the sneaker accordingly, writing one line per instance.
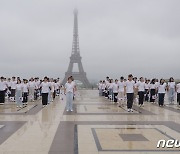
(129, 110)
(67, 110)
(71, 110)
(17, 106)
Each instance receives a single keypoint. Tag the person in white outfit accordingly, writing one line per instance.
(129, 89)
(115, 88)
(141, 91)
(121, 91)
(171, 90)
(52, 89)
(69, 91)
(45, 86)
(32, 87)
(161, 92)
(19, 89)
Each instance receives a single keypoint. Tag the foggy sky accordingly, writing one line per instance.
(117, 37)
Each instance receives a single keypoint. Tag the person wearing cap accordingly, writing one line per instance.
(2, 90)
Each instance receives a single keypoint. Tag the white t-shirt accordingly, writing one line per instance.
(157, 84)
(135, 84)
(9, 83)
(100, 85)
(141, 86)
(32, 84)
(103, 86)
(52, 86)
(111, 85)
(178, 87)
(115, 87)
(129, 86)
(171, 85)
(121, 86)
(56, 86)
(45, 87)
(74, 83)
(25, 87)
(37, 84)
(69, 87)
(147, 86)
(152, 86)
(13, 84)
(107, 85)
(19, 86)
(2, 85)
(162, 88)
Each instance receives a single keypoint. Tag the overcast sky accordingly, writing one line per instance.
(117, 37)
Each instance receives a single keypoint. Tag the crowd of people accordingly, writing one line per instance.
(139, 90)
(24, 91)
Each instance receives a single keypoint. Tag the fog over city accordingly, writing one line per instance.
(116, 37)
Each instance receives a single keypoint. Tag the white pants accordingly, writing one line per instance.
(69, 101)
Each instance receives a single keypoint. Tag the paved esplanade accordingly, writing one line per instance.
(95, 127)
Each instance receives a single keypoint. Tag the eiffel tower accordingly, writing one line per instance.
(76, 58)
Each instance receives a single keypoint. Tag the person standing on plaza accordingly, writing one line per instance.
(103, 88)
(31, 87)
(135, 89)
(3, 87)
(25, 92)
(69, 90)
(178, 93)
(156, 92)
(152, 91)
(45, 87)
(129, 91)
(106, 88)
(100, 87)
(161, 92)
(147, 86)
(52, 89)
(36, 90)
(9, 88)
(110, 89)
(141, 90)
(171, 90)
(115, 88)
(121, 91)
(19, 89)
(13, 88)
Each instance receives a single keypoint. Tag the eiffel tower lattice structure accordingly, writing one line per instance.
(76, 58)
